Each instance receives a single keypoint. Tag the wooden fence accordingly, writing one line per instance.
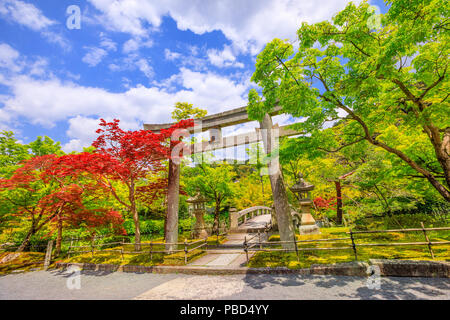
(254, 246)
(148, 249)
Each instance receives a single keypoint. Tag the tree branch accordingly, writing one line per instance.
(343, 146)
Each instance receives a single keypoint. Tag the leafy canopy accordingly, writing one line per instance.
(185, 110)
(388, 83)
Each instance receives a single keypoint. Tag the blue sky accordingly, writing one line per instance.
(133, 59)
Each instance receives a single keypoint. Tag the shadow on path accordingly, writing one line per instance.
(347, 287)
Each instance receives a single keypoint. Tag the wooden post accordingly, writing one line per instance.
(121, 248)
(151, 250)
(48, 255)
(338, 202)
(185, 251)
(428, 240)
(296, 249)
(246, 248)
(70, 247)
(92, 246)
(353, 244)
(259, 239)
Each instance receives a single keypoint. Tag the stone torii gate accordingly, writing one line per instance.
(214, 124)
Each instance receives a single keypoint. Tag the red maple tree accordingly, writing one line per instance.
(43, 194)
(128, 157)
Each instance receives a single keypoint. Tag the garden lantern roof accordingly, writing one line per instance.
(301, 185)
(198, 198)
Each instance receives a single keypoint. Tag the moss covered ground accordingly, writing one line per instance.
(27, 261)
(146, 256)
(310, 257)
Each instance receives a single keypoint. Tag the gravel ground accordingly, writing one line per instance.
(52, 285)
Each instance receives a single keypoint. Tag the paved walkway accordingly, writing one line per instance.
(233, 257)
(52, 285)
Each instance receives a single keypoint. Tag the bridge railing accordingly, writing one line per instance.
(239, 217)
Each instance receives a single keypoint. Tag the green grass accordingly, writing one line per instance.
(310, 257)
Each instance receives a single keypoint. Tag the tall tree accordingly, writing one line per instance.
(12, 152)
(185, 110)
(389, 82)
(133, 155)
(39, 194)
(215, 183)
(45, 145)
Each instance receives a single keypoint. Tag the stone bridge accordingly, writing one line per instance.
(249, 220)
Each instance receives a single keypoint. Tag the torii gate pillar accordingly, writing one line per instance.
(280, 200)
(173, 196)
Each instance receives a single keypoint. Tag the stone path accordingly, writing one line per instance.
(121, 285)
(233, 257)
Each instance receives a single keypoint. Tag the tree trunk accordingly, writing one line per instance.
(173, 193)
(27, 239)
(441, 148)
(59, 237)
(280, 199)
(137, 228)
(135, 214)
(338, 202)
(262, 186)
(165, 227)
(216, 218)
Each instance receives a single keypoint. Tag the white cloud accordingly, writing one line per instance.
(13, 64)
(94, 56)
(28, 15)
(248, 24)
(170, 55)
(146, 69)
(130, 46)
(39, 67)
(107, 43)
(224, 58)
(132, 62)
(73, 145)
(8, 58)
(25, 14)
(134, 44)
(57, 38)
(46, 102)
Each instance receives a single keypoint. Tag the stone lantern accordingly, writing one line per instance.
(197, 207)
(302, 190)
